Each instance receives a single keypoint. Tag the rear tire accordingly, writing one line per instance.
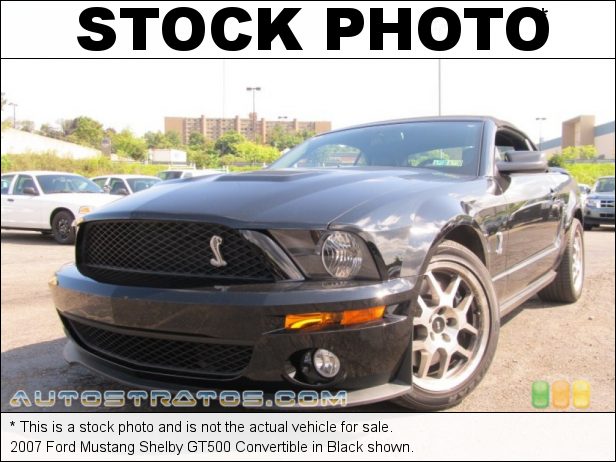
(569, 282)
(587, 227)
(62, 227)
(455, 329)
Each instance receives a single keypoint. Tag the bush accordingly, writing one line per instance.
(571, 153)
(87, 167)
(588, 173)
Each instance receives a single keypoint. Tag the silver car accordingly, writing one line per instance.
(599, 206)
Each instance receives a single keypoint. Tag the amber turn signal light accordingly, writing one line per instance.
(342, 318)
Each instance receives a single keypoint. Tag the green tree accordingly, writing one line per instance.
(126, 144)
(51, 132)
(68, 127)
(87, 132)
(229, 159)
(227, 143)
(282, 139)
(156, 140)
(26, 125)
(196, 140)
(256, 154)
(201, 151)
(174, 140)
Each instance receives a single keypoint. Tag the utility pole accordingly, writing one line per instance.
(254, 90)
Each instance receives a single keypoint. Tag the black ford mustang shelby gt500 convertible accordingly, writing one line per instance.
(377, 259)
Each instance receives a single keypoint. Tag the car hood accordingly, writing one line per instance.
(91, 199)
(274, 198)
(601, 196)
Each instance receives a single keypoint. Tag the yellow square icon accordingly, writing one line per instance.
(560, 394)
(581, 394)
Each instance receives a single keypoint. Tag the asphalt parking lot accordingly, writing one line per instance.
(538, 341)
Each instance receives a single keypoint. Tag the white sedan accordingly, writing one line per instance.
(49, 202)
(124, 185)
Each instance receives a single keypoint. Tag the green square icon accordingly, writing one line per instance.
(540, 394)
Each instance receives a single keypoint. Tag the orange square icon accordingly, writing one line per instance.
(581, 394)
(560, 394)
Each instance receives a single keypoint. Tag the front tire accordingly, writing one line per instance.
(569, 282)
(62, 227)
(455, 329)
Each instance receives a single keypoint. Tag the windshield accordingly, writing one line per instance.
(605, 185)
(53, 184)
(139, 184)
(451, 147)
(173, 175)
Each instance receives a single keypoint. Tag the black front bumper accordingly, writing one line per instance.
(247, 321)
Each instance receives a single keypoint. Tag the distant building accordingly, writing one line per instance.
(20, 142)
(252, 127)
(580, 131)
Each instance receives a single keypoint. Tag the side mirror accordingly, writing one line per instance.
(121, 192)
(30, 191)
(523, 162)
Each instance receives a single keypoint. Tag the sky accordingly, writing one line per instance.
(138, 94)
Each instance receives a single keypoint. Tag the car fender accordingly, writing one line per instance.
(402, 243)
(424, 241)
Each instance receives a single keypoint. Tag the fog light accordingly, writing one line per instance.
(326, 363)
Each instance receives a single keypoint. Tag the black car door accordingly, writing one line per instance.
(533, 223)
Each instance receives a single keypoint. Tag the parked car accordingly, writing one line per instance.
(124, 185)
(48, 202)
(185, 173)
(599, 203)
(385, 274)
(584, 191)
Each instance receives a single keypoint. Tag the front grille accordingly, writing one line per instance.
(168, 254)
(607, 203)
(164, 354)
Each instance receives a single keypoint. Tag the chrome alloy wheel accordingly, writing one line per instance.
(577, 262)
(450, 327)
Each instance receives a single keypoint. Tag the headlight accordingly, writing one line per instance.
(84, 209)
(341, 254)
(322, 255)
(594, 203)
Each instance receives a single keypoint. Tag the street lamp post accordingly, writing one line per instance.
(14, 117)
(254, 110)
(540, 120)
